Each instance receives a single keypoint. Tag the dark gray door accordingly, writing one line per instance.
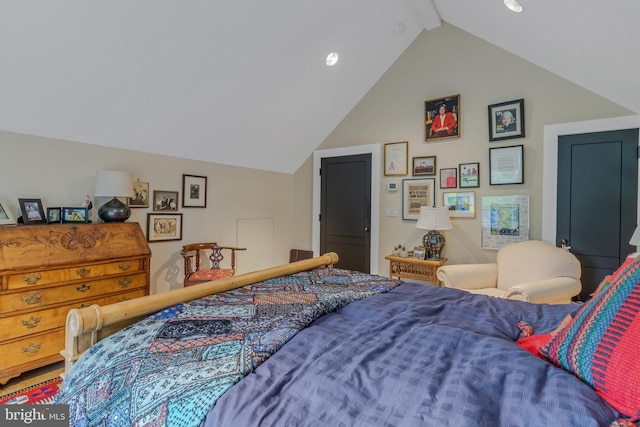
(597, 200)
(345, 210)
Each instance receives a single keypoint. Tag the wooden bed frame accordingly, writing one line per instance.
(88, 325)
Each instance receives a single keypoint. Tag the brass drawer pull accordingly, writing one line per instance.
(31, 323)
(31, 279)
(124, 266)
(82, 272)
(83, 288)
(125, 282)
(31, 299)
(31, 349)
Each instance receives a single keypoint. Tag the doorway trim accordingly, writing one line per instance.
(374, 150)
(550, 163)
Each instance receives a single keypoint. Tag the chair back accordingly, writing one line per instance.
(196, 270)
(534, 260)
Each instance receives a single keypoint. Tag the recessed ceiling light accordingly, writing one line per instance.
(332, 59)
(513, 5)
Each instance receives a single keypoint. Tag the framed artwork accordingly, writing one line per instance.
(505, 220)
(5, 216)
(424, 165)
(75, 215)
(460, 204)
(449, 178)
(469, 175)
(415, 194)
(506, 165)
(163, 227)
(32, 211)
(419, 252)
(442, 118)
(396, 157)
(506, 120)
(165, 200)
(194, 191)
(140, 197)
(54, 215)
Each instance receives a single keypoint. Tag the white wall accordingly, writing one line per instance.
(448, 61)
(240, 201)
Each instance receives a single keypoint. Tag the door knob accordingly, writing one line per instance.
(565, 244)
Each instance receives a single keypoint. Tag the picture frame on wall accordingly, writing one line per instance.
(442, 118)
(6, 218)
(505, 220)
(461, 204)
(165, 201)
(194, 191)
(449, 178)
(469, 175)
(506, 120)
(506, 165)
(32, 211)
(425, 165)
(164, 227)
(140, 197)
(415, 194)
(396, 157)
(75, 215)
(54, 215)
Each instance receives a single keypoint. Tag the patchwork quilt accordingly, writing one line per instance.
(172, 367)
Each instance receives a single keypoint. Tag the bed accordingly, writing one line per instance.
(308, 344)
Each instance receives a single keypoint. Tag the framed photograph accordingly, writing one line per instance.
(163, 227)
(415, 194)
(396, 157)
(449, 178)
(442, 118)
(506, 165)
(469, 175)
(54, 215)
(5, 216)
(506, 120)
(32, 211)
(424, 165)
(194, 191)
(140, 197)
(165, 200)
(460, 204)
(505, 220)
(75, 215)
(419, 252)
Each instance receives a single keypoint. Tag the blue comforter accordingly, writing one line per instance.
(416, 356)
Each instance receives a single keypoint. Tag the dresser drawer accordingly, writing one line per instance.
(31, 349)
(36, 298)
(85, 272)
(38, 321)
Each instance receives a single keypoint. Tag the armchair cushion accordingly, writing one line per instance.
(468, 276)
(211, 274)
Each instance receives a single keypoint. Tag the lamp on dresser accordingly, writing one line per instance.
(114, 184)
(434, 219)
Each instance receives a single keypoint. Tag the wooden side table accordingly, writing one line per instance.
(413, 268)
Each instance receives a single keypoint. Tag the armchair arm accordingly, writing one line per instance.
(469, 276)
(558, 290)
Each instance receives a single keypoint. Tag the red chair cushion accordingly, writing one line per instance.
(213, 274)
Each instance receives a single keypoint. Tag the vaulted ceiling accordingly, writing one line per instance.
(244, 82)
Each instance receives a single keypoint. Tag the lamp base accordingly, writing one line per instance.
(433, 242)
(114, 211)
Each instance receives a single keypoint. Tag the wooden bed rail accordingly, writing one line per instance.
(85, 326)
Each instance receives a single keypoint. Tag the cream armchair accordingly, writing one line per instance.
(531, 271)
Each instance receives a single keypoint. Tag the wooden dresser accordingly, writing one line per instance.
(45, 270)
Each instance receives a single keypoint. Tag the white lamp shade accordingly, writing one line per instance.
(113, 184)
(635, 239)
(434, 218)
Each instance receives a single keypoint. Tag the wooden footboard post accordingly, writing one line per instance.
(85, 326)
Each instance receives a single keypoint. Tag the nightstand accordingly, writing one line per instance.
(414, 268)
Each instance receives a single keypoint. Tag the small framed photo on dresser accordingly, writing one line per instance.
(32, 211)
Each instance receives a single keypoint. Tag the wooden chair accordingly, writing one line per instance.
(299, 254)
(207, 273)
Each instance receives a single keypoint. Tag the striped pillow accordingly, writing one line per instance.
(600, 345)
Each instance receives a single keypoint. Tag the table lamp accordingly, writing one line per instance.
(434, 219)
(635, 239)
(114, 184)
